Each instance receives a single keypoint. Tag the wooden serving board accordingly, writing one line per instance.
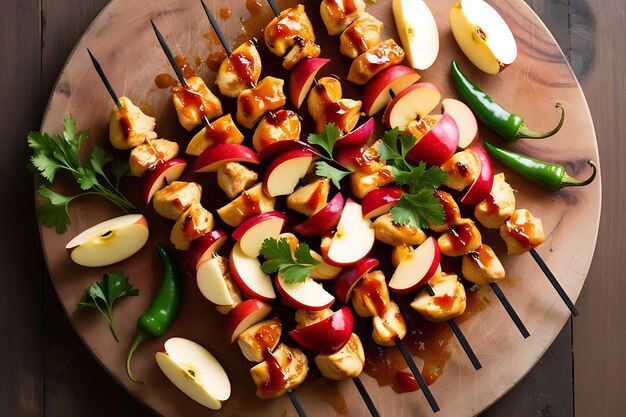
(121, 37)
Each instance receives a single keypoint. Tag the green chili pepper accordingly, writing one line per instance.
(159, 316)
(551, 176)
(508, 125)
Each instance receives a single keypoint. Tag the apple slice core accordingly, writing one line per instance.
(414, 102)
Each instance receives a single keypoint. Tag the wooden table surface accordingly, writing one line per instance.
(46, 370)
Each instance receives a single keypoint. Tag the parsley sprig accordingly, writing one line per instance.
(54, 153)
(419, 207)
(326, 140)
(102, 295)
(279, 259)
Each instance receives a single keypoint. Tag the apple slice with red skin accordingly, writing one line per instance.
(248, 276)
(414, 102)
(376, 94)
(465, 121)
(351, 276)
(212, 283)
(353, 239)
(308, 295)
(162, 174)
(481, 187)
(301, 79)
(357, 137)
(243, 316)
(253, 231)
(414, 270)
(211, 159)
(326, 335)
(379, 201)
(348, 157)
(437, 145)
(285, 172)
(274, 150)
(204, 248)
(324, 220)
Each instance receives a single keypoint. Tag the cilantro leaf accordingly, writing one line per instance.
(279, 259)
(46, 165)
(407, 141)
(417, 209)
(99, 158)
(324, 169)
(327, 139)
(119, 168)
(54, 214)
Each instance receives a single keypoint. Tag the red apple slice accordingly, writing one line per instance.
(247, 274)
(324, 271)
(415, 269)
(214, 157)
(158, 177)
(285, 172)
(212, 283)
(357, 137)
(308, 295)
(414, 102)
(274, 150)
(351, 276)
(465, 120)
(418, 32)
(244, 316)
(438, 144)
(379, 201)
(324, 220)
(349, 157)
(326, 335)
(353, 239)
(301, 78)
(481, 187)
(253, 231)
(204, 248)
(376, 94)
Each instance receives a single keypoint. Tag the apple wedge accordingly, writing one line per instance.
(416, 268)
(203, 248)
(195, 371)
(214, 157)
(244, 316)
(465, 121)
(326, 335)
(483, 35)
(418, 32)
(323, 271)
(285, 172)
(414, 102)
(357, 137)
(377, 93)
(308, 295)
(253, 231)
(437, 144)
(301, 79)
(212, 283)
(481, 187)
(274, 150)
(351, 276)
(379, 201)
(324, 220)
(109, 242)
(158, 177)
(247, 274)
(353, 239)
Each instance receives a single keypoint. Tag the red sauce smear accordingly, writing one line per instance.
(214, 60)
(125, 123)
(243, 66)
(252, 205)
(316, 198)
(254, 6)
(460, 236)
(522, 233)
(354, 34)
(405, 382)
(277, 118)
(492, 206)
(165, 81)
(277, 380)
(225, 13)
(372, 288)
(184, 66)
(449, 207)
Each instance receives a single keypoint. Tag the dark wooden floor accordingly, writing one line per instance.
(46, 370)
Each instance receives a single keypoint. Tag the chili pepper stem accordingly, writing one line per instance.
(526, 133)
(568, 181)
(141, 335)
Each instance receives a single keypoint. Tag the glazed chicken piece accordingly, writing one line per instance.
(304, 48)
(276, 127)
(251, 202)
(448, 302)
(240, 70)
(460, 239)
(344, 114)
(360, 36)
(499, 205)
(418, 128)
(398, 253)
(370, 298)
(222, 130)
(255, 341)
(339, 14)
(151, 153)
(388, 232)
(129, 126)
(293, 366)
(522, 232)
(174, 199)
(376, 59)
(362, 183)
(233, 178)
(306, 318)
(450, 209)
(192, 224)
(389, 326)
(254, 102)
(482, 266)
(194, 101)
(326, 91)
(282, 32)
(310, 198)
(344, 363)
(367, 160)
(462, 169)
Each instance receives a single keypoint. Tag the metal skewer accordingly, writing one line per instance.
(296, 403)
(555, 283)
(418, 376)
(105, 80)
(509, 309)
(366, 396)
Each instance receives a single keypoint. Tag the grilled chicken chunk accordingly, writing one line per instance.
(192, 224)
(282, 32)
(129, 126)
(326, 91)
(255, 341)
(310, 198)
(149, 154)
(482, 266)
(222, 130)
(174, 199)
(240, 70)
(251, 202)
(254, 102)
(450, 209)
(233, 178)
(362, 183)
(371, 296)
(344, 363)
(398, 253)
(194, 101)
(324, 271)
(294, 368)
(374, 60)
(499, 205)
(388, 232)
(360, 36)
(460, 239)
(462, 169)
(448, 302)
(522, 232)
(344, 114)
(339, 14)
(367, 161)
(304, 48)
(389, 326)
(306, 318)
(276, 127)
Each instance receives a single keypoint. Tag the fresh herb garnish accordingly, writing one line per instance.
(326, 140)
(53, 153)
(279, 259)
(102, 295)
